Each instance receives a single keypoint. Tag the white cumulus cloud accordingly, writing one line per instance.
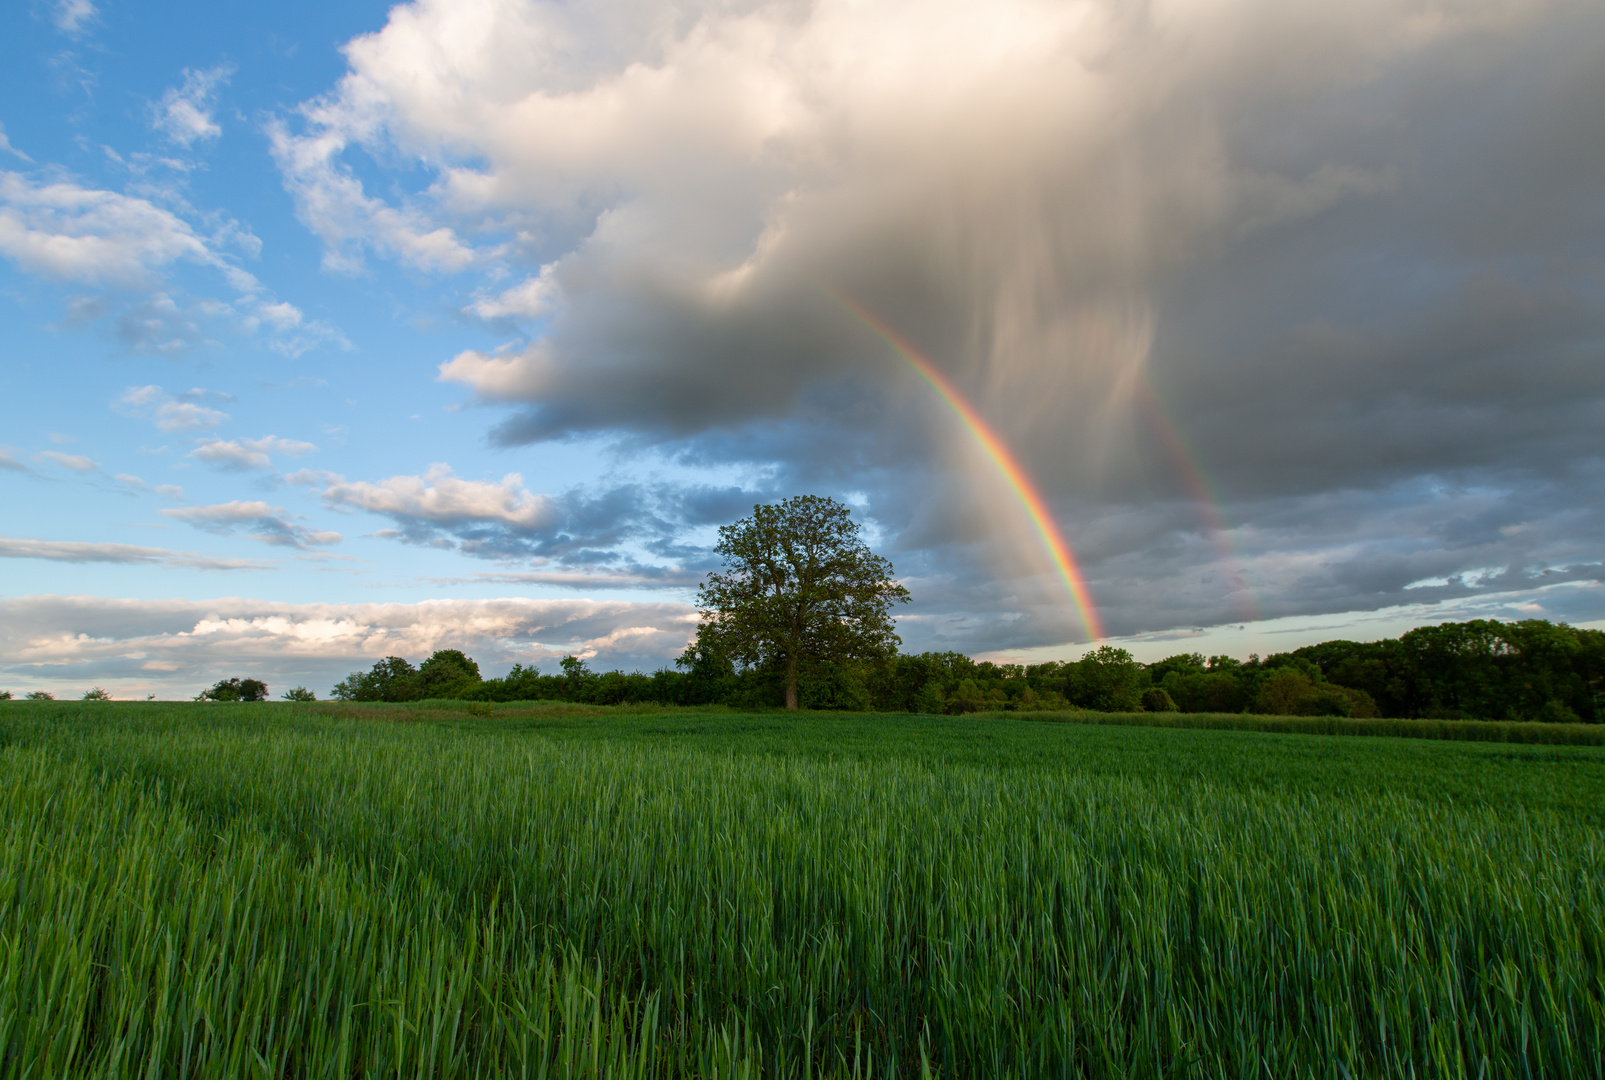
(91, 235)
(439, 496)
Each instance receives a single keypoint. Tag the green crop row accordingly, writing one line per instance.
(271, 890)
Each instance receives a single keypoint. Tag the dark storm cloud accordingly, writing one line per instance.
(1285, 309)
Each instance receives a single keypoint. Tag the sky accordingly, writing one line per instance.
(342, 330)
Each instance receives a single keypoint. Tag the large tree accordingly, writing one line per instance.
(798, 584)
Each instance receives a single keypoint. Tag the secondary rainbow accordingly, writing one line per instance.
(1204, 497)
(1036, 509)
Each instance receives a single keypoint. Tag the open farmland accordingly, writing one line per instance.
(283, 890)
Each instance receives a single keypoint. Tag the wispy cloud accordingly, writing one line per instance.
(173, 412)
(7, 148)
(78, 463)
(184, 113)
(128, 247)
(84, 552)
(634, 578)
(73, 17)
(330, 200)
(245, 454)
(258, 520)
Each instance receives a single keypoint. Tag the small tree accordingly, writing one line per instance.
(95, 693)
(41, 695)
(235, 690)
(299, 693)
(798, 585)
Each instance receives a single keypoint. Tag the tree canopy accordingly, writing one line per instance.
(236, 690)
(798, 586)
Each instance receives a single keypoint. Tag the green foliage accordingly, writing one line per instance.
(96, 693)
(5, 695)
(798, 587)
(40, 695)
(299, 693)
(235, 690)
(289, 893)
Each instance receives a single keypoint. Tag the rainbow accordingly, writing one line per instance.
(989, 441)
(1203, 495)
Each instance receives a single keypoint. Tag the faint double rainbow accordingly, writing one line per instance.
(1036, 509)
(1204, 497)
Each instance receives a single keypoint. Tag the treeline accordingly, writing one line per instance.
(1531, 670)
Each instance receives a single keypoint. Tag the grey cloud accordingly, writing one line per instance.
(85, 552)
(498, 519)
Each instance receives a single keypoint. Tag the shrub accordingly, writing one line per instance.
(1155, 699)
(299, 693)
(5, 695)
(95, 693)
(41, 695)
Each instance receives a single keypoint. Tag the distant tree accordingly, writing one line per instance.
(5, 695)
(235, 690)
(95, 693)
(798, 585)
(448, 673)
(391, 679)
(709, 674)
(1285, 693)
(41, 695)
(1184, 663)
(1107, 679)
(967, 698)
(299, 693)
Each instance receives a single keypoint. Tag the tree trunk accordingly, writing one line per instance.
(791, 684)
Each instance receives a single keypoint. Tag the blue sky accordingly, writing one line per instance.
(341, 330)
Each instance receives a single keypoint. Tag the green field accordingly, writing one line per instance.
(281, 890)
